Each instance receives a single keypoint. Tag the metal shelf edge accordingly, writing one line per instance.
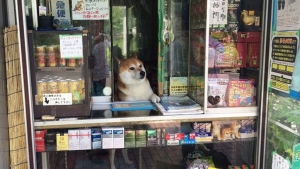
(140, 120)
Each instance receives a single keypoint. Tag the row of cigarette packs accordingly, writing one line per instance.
(107, 138)
(120, 137)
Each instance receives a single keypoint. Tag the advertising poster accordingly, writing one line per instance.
(90, 10)
(287, 14)
(61, 12)
(283, 55)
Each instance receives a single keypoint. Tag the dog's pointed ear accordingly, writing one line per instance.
(118, 60)
(133, 55)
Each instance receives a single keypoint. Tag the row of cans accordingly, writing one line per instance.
(76, 87)
(49, 56)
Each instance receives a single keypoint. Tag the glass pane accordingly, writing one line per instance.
(197, 50)
(56, 74)
(234, 53)
(283, 138)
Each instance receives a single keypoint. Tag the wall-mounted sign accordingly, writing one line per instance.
(57, 99)
(283, 55)
(71, 46)
(287, 14)
(61, 12)
(90, 10)
(218, 11)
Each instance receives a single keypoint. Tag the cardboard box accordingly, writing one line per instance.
(50, 141)
(129, 138)
(242, 50)
(96, 138)
(202, 131)
(248, 37)
(73, 139)
(107, 138)
(140, 138)
(40, 140)
(62, 141)
(151, 137)
(253, 54)
(85, 139)
(248, 128)
(118, 137)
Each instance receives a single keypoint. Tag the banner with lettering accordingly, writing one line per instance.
(283, 55)
(90, 9)
(61, 12)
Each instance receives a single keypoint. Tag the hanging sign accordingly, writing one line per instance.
(287, 14)
(283, 55)
(218, 12)
(279, 162)
(57, 99)
(90, 9)
(61, 12)
(71, 46)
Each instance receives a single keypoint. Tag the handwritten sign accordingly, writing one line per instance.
(218, 11)
(283, 55)
(288, 15)
(90, 10)
(279, 162)
(57, 99)
(71, 46)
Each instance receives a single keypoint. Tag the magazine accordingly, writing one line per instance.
(161, 108)
(178, 103)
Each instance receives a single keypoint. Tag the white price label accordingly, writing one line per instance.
(57, 99)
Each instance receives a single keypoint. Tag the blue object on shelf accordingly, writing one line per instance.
(125, 106)
(294, 94)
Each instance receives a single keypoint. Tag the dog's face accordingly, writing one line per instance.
(131, 70)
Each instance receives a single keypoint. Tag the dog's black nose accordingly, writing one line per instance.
(142, 73)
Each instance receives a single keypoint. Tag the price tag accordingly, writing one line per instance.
(280, 86)
(57, 99)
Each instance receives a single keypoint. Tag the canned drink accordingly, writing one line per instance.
(52, 86)
(40, 49)
(63, 86)
(41, 88)
(82, 88)
(51, 56)
(74, 88)
(71, 62)
(62, 62)
(41, 60)
(80, 62)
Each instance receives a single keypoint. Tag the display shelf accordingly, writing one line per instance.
(284, 127)
(120, 121)
(55, 69)
(232, 110)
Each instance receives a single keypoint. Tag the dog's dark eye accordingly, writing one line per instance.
(141, 66)
(131, 68)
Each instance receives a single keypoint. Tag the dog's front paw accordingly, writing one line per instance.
(155, 98)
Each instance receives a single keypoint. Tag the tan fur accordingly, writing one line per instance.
(226, 133)
(132, 85)
(216, 129)
(235, 126)
(79, 6)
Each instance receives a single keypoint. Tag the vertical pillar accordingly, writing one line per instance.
(4, 140)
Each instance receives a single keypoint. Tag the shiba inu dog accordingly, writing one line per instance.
(79, 6)
(132, 85)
